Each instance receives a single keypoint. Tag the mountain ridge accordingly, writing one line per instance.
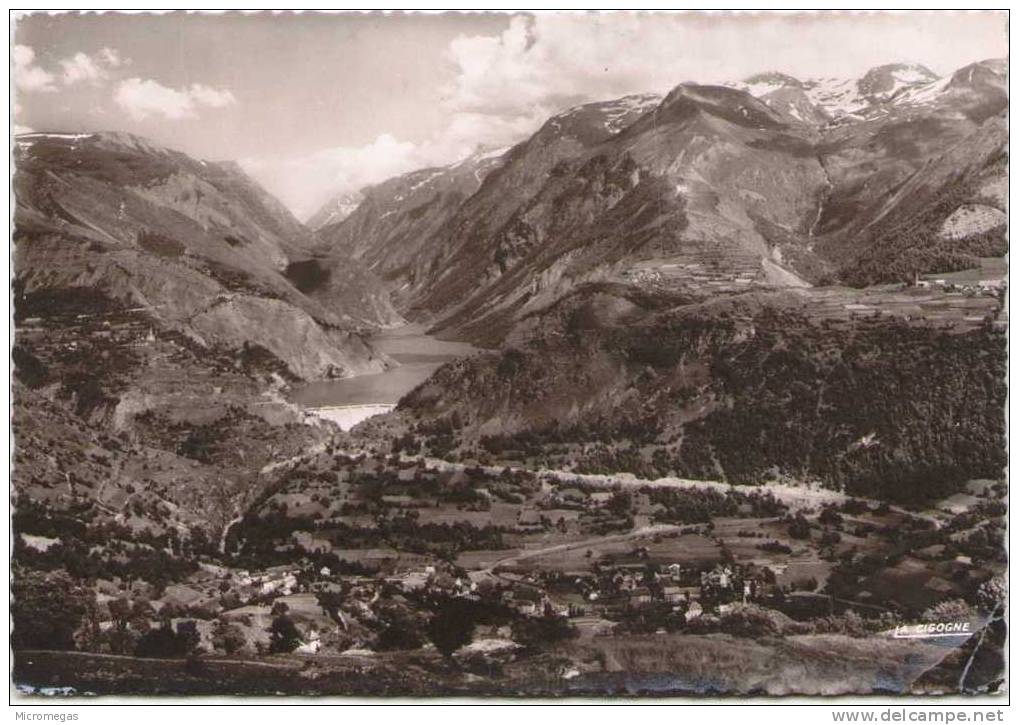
(198, 243)
(478, 267)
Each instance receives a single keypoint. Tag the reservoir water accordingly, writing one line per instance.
(349, 401)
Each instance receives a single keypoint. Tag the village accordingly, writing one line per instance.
(355, 563)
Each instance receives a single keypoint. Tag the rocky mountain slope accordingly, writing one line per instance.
(823, 100)
(160, 304)
(407, 226)
(667, 300)
(773, 182)
(387, 230)
(202, 248)
(684, 188)
(335, 210)
(746, 389)
(898, 179)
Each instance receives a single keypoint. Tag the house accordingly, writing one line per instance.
(718, 578)
(311, 645)
(398, 501)
(529, 520)
(311, 543)
(572, 496)
(411, 580)
(278, 580)
(526, 608)
(406, 475)
(38, 543)
(624, 582)
(526, 601)
(181, 595)
(673, 594)
(694, 611)
(640, 595)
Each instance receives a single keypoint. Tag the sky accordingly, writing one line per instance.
(313, 105)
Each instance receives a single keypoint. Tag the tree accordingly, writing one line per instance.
(620, 503)
(187, 636)
(120, 612)
(829, 538)
(451, 628)
(142, 614)
(164, 642)
(47, 609)
(544, 630)
(830, 517)
(991, 594)
(283, 635)
(400, 633)
(228, 637)
(89, 637)
(402, 627)
(799, 527)
(279, 608)
(331, 601)
(120, 641)
(952, 610)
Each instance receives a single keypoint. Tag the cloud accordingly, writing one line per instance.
(81, 67)
(90, 68)
(28, 76)
(541, 65)
(502, 87)
(112, 58)
(144, 98)
(211, 97)
(77, 68)
(544, 63)
(304, 183)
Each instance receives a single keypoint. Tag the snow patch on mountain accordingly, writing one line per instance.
(621, 112)
(335, 210)
(849, 98)
(427, 179)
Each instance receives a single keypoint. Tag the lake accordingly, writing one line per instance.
(351, 400)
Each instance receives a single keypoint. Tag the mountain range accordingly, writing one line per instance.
(769, 182)
(607, 232)
(622, 257)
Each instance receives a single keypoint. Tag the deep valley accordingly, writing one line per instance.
(675, 395)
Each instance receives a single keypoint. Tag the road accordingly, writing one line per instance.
(793, 496)
(27, 653)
